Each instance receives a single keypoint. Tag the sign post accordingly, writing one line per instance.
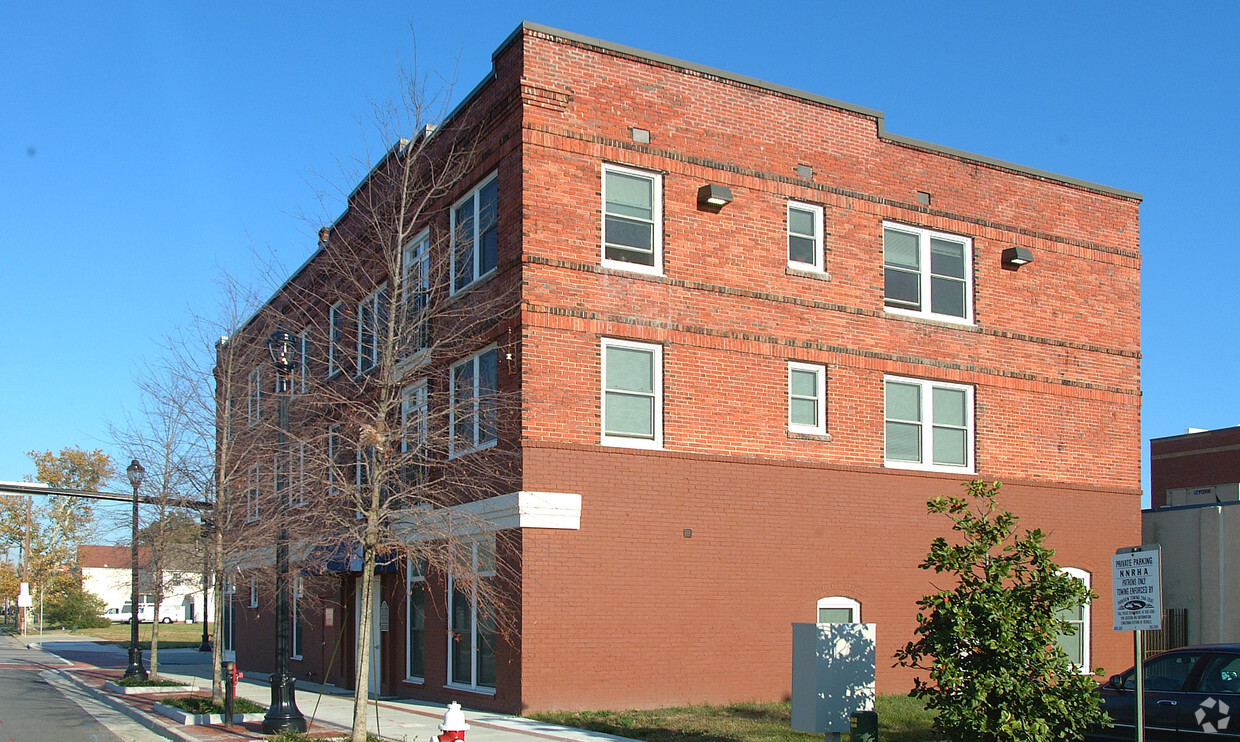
(1136, 582)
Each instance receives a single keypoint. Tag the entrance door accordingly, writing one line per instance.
(376, 642)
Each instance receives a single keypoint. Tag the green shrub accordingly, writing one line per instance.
(75, 609)
(204, 705)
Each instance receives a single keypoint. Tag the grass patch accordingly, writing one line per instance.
(900, 719)
(171, 635)
(204, 705)
(148, 683)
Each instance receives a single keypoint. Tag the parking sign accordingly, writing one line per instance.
(1136, 579)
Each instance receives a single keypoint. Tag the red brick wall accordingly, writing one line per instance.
(628, 612)
(1054, 353)
(1195, 460)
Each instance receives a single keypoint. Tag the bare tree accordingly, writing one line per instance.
(414, 416)
(185, 431)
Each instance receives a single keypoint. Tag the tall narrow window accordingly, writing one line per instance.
(1075, 643)
(253, 592)
(632, 394)
(372, 321)
(474, 384)
(632, 219)
(252, 511)
(472, 637)
(303, 368)
(297, 467)
(475, 234)
(805, 236)
(414, 431)
(415, 296)
(297, 621)
(333, 458)
(929, 425)
(335, 340)
(927, 273)
(807, 398)
(415, 610)
(254, 399)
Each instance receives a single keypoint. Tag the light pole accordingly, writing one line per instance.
(208, 529)
(282, 714)
(135, 472)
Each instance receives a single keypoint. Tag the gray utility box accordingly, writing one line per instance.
(832, 675)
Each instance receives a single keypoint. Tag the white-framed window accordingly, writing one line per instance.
(333, 456)
(296, 622)
(1076, 644)
(372, 321)
(303, 370)
(415, 612)
(254, 397)
(297, 466)
(927, 273)
(632, 400)
(838, 609)
(335, 338)
(252, 511)
(807, 398)
(632, 219)
(253, 592)
(928, 425)
(475, 234)
(474, 383)
(805, 236)
(414, 417)
(472, 628)
(416, 290)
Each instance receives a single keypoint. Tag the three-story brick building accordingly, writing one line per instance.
(755, 333)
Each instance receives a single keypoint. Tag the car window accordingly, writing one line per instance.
(1222, 675)
(1166, 672)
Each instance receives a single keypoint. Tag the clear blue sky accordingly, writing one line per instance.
(143, 146)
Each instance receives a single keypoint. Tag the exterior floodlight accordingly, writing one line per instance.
(714, 195)
(1015, 257)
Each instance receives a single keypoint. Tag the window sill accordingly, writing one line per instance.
(414, 681)
(415, 360)
(295, 657)
(808, 271)
(622, 267)
(805, 435)
(943, 320)
(964, 470)
(480, 279)
(470, 689)
(639, 443)
(472, 449)
(333, 374)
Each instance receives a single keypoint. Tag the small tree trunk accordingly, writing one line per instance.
(361, 687)
(217, 614)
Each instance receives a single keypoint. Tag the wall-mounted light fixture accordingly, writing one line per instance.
(714, 195)
(1015, 257)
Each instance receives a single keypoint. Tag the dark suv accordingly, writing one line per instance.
(1192, 693)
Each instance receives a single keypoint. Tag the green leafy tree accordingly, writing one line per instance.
(990, 642)
(76, 609)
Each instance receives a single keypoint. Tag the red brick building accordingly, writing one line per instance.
(732, 414)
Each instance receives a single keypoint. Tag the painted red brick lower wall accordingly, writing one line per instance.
(630, 612)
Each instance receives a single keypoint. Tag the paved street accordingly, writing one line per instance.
(38, 704)
(58, 694)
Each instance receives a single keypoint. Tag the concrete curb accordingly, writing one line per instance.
(150, 722)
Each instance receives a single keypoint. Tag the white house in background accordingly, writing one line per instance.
(106, 572)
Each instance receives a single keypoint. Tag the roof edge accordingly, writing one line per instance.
(879, 116)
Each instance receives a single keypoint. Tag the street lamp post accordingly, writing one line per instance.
(135, 472)
(282, 714)
(207, 530)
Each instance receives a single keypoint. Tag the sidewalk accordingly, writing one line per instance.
(328, 710)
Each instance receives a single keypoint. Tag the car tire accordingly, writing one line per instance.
(165, 619)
